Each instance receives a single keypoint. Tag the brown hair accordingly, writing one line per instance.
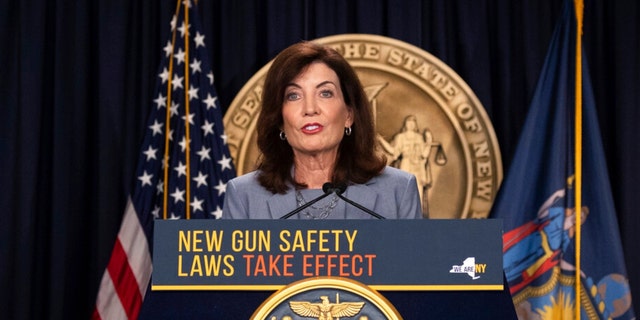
(357, 160)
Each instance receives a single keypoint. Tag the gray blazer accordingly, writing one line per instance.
(393, 195)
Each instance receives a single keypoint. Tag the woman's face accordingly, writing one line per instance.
(314, 111)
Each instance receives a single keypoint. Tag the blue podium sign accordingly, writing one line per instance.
(396, 255)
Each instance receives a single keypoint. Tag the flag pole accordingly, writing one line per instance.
(579, 8)
(167, 129)
(186, 112)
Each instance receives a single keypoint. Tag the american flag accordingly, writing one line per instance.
(192, 184)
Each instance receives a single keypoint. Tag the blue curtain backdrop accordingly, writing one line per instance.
(77, 80)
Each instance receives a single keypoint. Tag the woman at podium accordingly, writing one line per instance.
(318, 150)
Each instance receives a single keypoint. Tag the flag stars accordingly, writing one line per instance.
(191, 116)
(217, 213)
(199, 39)
(174, 109)
(193, 92)
(201, 179)
(165, 162)
(196, 204)
(221, 187)
(145, 178)
(183, 144)
(174, 22)
(210, 101)
(195, 66)
(177, 82)
(180, 55)
(150, 153)
(156, 212)
(204, 153)
(178, 195)
(160, 100)
(164, 75)
(181, 169)
(184, 28)
(168, 49)
(209, 162)
(156, 127)
(160, 188)
(225, 163)
(207, 127)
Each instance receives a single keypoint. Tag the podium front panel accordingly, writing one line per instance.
(396, 255)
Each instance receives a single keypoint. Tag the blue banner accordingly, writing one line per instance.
(386, 255)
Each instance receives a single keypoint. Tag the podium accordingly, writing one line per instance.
(415, 269)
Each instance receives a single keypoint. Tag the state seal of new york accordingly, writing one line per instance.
(428, 121)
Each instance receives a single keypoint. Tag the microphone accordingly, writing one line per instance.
(341, 188)
(331, 188)
(328, 188)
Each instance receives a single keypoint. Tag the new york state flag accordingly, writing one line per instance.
(537, 202)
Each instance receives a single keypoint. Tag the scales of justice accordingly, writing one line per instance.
(410, 149)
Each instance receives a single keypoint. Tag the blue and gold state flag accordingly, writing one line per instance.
(183, 168)
(537, 202)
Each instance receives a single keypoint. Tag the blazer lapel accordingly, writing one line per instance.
(281, 204)
(363, 195)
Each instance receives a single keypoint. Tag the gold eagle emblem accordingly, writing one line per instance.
(325, 310)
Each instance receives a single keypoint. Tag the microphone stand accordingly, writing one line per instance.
(339, 189)
(327, 188)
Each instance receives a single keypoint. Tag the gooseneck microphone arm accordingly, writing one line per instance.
(341, 188)
(328, 189)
